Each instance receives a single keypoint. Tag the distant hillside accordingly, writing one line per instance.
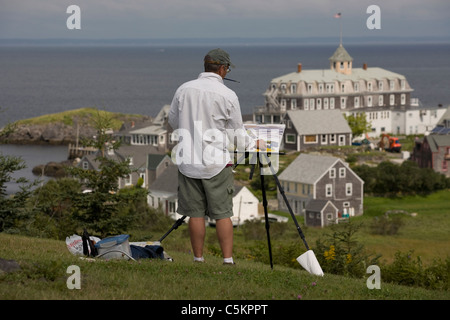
(61, 128)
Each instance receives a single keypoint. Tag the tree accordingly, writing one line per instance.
(99, 207)
(358, 124)
(54, 205)
(13, 209)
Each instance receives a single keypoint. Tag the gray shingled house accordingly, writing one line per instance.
(316, 177)
(164, 191)
(306, 129)
(320, 213)
(141, 159)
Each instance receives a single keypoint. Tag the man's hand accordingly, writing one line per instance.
(261, 145)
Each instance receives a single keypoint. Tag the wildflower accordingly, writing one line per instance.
(299, 297)
(349, 258)
(330, 254)
(313, 284)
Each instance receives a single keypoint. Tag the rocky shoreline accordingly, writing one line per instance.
(45, 134)
(58, 133)
(63, 132)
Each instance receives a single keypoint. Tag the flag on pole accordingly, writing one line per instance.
(337, 15)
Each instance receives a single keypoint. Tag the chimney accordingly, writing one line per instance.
(299, 68)
(365, 66)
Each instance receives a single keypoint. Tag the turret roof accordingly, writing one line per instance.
(341, 55)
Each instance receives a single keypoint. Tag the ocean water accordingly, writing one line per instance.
(37, 80)
(32, 156)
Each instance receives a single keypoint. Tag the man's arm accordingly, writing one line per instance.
(174, 113)
(244, 141)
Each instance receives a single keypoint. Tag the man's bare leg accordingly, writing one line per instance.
(197, 231)
(224, 230)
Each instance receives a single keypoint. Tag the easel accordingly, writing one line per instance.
(256, 158)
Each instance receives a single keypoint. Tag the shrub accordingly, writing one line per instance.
(392, 179)
(385, 225)
(409, 271)
(340, 253)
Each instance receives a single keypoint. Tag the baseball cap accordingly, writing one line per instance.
(219, 56)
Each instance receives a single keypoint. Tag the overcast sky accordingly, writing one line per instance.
(143, 19)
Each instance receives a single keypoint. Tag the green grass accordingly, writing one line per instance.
(426, 233)
(44, 264)
(83, 116)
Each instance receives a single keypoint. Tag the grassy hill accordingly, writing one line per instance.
(44, 264)
(82, 115)
(65, 127)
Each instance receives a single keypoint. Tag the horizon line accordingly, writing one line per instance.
(231, 40)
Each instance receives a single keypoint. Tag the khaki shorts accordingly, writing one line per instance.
(206, 197)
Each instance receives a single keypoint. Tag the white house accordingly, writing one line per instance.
(382, 95)
(245, 205)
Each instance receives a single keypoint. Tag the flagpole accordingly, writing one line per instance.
(338, 16)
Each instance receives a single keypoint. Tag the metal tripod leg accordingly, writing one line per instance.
(300, 232)
(175, 226)
(253, 162)
(266, 216)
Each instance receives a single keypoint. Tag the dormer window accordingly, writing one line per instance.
(293, 88)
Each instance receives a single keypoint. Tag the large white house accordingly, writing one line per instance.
(384, 96)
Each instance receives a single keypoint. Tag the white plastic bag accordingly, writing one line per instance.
(75, 244)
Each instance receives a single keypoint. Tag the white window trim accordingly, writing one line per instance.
(391, 100)
(290, 135)
(328, 190)
(304, 139)
(348, 189)
(332, 173)
(342, 172)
